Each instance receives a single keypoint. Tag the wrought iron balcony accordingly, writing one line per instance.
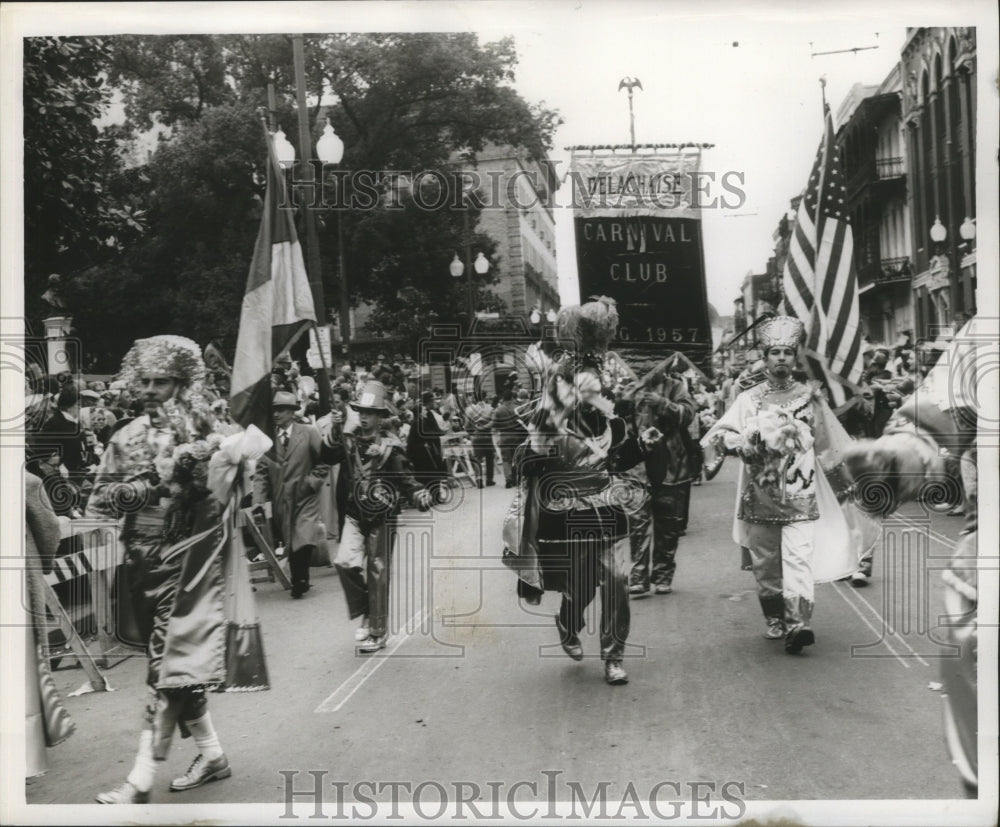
(887, 168)
(895, 269)
(884, 271)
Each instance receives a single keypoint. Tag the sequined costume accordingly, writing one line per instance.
(792, 490)
(184, 632)
(569, 531)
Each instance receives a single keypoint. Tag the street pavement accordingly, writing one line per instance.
(474, 689)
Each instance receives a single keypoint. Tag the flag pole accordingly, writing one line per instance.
(313, 265)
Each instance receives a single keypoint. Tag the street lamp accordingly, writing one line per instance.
(457, 267)
(938, 231)
(284, 151)
(330, 150)
(968, 229)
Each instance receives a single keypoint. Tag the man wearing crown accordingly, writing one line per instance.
(792, 449)
(150, 481)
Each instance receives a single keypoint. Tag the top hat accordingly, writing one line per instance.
(371, 398)
(285, 399)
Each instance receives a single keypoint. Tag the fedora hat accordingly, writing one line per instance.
(284, 399)
(371, 398)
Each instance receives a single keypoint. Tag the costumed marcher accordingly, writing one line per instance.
(567, 529)
(664, 410)
(373, 459)
(788, 515)
(291, 476)
(155, 477)
(47, 721)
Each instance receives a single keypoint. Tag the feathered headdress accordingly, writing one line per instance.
(590, 327)
(173, 356)
(177, 357)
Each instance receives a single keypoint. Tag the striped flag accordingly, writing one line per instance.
(277, 306)
(820, 283)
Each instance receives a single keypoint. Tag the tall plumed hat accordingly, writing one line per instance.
(781, 331)
(173, 356)
(590, 327)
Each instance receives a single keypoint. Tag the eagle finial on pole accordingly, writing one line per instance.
(630, 84)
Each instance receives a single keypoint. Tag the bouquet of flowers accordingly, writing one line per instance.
(706, 419)
(183, 469)
(770, 441)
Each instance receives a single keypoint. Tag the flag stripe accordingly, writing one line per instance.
(277, 305)
(819, 279)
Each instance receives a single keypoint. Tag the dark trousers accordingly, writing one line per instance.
(363, 562)
(654, 532)
(298, 565)
(603, 563)
(486, 461)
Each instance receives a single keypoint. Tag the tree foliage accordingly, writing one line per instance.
(74, 215)
(399, 101)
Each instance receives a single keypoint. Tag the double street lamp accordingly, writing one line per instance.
(536, 315)
(329, 150)
(457, 267)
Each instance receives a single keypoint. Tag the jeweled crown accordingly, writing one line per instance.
(783, 331)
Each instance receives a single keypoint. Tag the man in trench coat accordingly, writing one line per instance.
(291, 476)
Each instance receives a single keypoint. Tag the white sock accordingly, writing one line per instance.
(204, 736)
(144, 769)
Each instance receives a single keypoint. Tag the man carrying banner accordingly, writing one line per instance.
(152, 477)
(785, 432)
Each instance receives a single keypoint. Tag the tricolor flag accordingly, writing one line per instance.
(820, 283)
(277, 306)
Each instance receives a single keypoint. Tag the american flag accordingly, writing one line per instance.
(820, 283)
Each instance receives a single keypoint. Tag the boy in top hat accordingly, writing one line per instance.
(379, 475)
(291, 475)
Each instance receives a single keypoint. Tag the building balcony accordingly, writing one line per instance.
(878, 272)
(888, 168)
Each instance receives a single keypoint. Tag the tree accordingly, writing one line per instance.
(421, 102)
(410, 102)
(73, 216)
(188, 274)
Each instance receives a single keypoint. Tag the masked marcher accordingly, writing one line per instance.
(152, 476)
(374, 460)
(291, 476)
(787, 512)
(568, 530)
(664, 409)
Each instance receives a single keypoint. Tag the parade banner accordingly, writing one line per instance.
(638, 240)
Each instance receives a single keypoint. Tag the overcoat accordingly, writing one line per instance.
(291, 478)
